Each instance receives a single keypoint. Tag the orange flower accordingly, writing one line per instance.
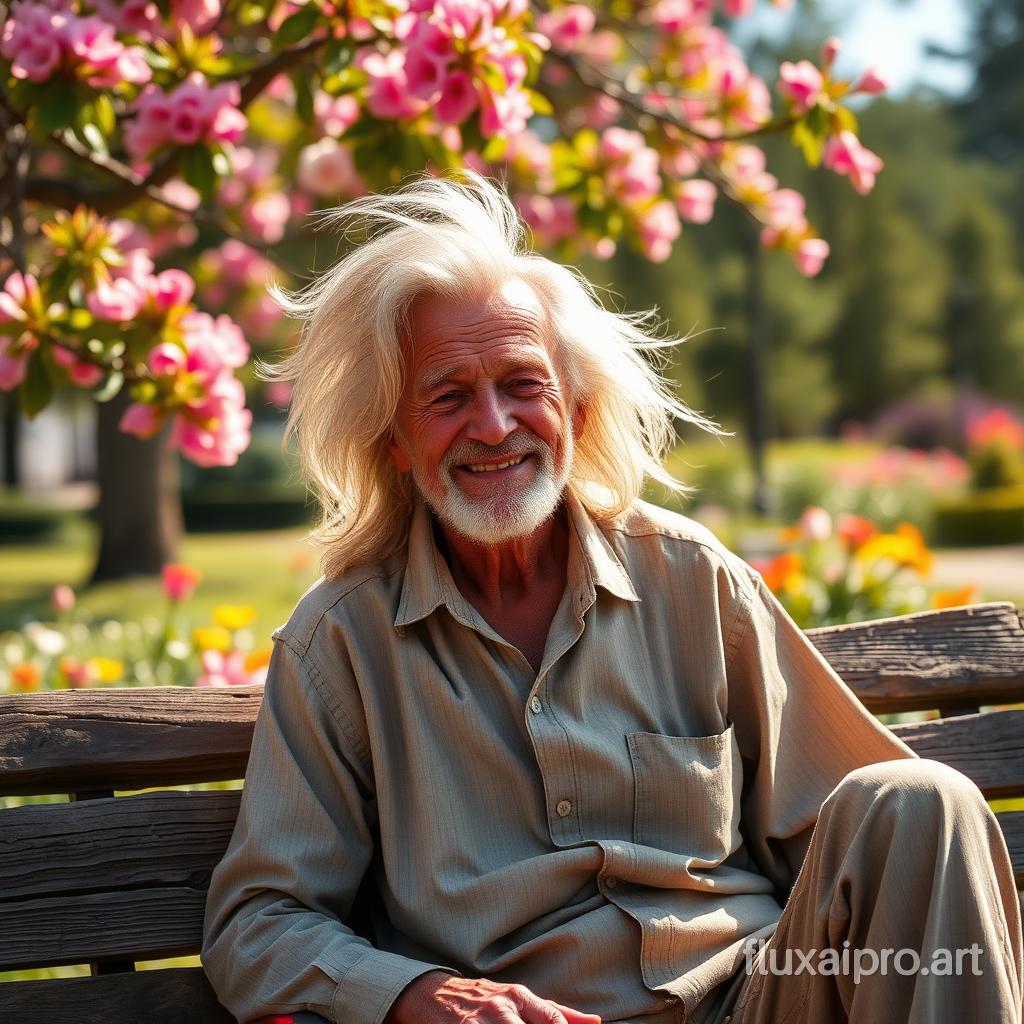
(783, 571)
(257, 659)
(26, 676)
(955, 598)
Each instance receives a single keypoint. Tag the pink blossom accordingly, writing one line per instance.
(503, 114)
(81, 373)
(601, 112)
(142, 421)
(327, 169)
(829, 51)
(678, 15)
(845, 155)
(659, 227)
(389, 96)
(278, 392)
(199, 15)
(335, 114)
(267, 215)
(550, 218)
(815, 524)
(213, 344)
(12, 367)
(118, 301)
(620, 142)
(239, 264)
(568, 27)
(737, 8)
(871, 81)
(20, 293)
(172, 288)
(261, 316)
(785, 210)
(810, 256)
(458, 99)
(165, 358)
(215, 431)
(802, 83)
(62, 597)
(695, 200)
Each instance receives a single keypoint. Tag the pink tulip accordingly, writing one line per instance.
(802, 83)
(221, 669)
(180, 581)
(62, 598)
(695, 200)
(845, 155)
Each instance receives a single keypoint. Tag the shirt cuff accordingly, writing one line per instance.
(373, 983)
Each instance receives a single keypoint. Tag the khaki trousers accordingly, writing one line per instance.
(908, 858)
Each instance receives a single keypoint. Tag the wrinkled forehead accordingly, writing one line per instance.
(438, 325)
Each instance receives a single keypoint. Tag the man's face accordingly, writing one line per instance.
(483, 422)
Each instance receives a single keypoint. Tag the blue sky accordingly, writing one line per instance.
(892, 36)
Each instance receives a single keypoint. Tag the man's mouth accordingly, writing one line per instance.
(492, 467)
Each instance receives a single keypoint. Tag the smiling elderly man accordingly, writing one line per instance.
(571, 751)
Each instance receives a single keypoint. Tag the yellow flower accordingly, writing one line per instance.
(905, 547)
(106, 670)
(955, 598)
(257, 659)
(212, 638)
(233, 616)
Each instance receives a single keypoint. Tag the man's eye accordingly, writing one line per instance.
(526, 382)
(448, 396)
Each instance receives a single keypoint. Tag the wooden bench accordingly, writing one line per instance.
(108, 880)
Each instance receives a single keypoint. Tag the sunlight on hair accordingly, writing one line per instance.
(454, 238)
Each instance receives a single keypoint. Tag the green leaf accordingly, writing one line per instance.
(37, 387)
(495, 149)
(846, 120)
(541, 104)
(297, 26)
(812, 145)
(199, 171)
(337, 56)
(94, 139)
(303, 95)
(110, 388)
(80, 319)
(221, 164)
(56, 108)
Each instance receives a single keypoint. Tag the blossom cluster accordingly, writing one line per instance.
(453, 58)
(193, 112)
(43, 39)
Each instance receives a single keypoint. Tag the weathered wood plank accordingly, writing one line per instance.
(139, 924)
(149, 997)
(151, 840)
(136, 737)
(124, 738)
(988, 749)
(958, 657)
(1012, 824)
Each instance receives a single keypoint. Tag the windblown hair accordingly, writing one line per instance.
(454, 239)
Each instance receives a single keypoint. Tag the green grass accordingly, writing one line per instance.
(266, 570)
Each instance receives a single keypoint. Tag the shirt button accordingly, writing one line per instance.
(535, 705)
(563, 807)
(611, 881)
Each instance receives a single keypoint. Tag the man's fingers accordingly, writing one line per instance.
(533, 1009)
(577, 1016)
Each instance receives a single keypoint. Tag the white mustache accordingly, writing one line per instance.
(467, 453)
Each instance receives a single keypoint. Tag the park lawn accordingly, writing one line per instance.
(268, 571)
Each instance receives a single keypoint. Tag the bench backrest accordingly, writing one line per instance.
(108, 880)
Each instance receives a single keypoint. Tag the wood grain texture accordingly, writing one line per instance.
(1012, 824)
(958, 657)
(988, 748)
(151, 840)
(180, 995)
(138, 924)
(125, 738)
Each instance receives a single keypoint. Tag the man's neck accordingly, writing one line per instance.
(503, 575)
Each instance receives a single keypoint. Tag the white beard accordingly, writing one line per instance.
(513, 510)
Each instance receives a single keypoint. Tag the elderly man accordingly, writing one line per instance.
(568, 750)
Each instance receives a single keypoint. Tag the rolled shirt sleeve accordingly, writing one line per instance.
(799, 728)
(275, 940)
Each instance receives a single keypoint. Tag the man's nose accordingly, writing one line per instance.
(491, 420)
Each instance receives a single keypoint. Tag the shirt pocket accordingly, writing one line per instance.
(687, 793)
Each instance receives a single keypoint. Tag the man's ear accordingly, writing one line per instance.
(398, 456)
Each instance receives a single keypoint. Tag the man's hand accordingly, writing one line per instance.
(441, 998)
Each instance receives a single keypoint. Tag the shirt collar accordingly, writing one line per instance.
(428, 582)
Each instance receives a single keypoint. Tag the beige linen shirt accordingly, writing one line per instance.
(608, 830)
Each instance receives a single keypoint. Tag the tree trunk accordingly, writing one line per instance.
(757, 409)
(139, 508)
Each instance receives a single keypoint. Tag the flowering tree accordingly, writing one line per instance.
(197, 134)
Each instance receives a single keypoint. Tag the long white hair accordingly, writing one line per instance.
(454, 238)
